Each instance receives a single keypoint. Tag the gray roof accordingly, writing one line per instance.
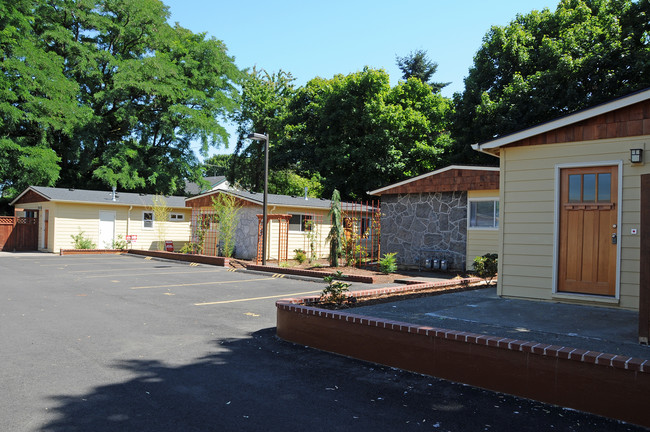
(192, 188)
(99, 197)
(282, 200)
(287, 201)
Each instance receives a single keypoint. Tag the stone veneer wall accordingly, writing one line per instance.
(425, 225)
(246, 233)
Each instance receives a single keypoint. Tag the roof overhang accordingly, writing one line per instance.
(45, 197)
(492, 147)
(429, 174)
(259, 202)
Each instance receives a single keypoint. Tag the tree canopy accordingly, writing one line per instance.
(547, 64)
(99, 93)
(418, 65)
(264, 101)
(358, 133)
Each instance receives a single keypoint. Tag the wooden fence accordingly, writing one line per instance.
(18, 233)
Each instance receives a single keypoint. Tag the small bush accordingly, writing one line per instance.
(335, 292)
(119, 244)
(300, 256)
(82, 242)
(486, 267)
(189, 248)
(388, 263)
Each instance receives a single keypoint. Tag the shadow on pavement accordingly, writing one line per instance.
(262, 383)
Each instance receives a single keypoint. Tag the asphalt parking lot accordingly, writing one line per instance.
(122, 343)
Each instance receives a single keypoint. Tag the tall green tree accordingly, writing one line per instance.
(550, 63)
(358, 133)
(217, 165)
(125, 93)
(37, 102)
(418, 65)
(264, 101)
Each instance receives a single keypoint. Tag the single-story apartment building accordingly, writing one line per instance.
(571, 193)
(102, 216)
(449, 214)
(308, 222)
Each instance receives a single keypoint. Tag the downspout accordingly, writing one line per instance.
(128, 219)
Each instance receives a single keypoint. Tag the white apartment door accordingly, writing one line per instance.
(106, 229)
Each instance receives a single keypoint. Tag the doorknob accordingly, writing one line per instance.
(614, 238)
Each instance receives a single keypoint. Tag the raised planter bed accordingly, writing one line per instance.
(201, 259)
(595, 382)
(90, 251)
(311, 273)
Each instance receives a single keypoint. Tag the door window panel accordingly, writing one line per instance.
(604, 187)
(575, 181)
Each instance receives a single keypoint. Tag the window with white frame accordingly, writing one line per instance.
(483, 214)
(147, 219)
(299, 223)
(176, 217)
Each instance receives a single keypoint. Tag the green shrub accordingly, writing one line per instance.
(486, 267)
(189, 248)
(119, 244)
(388, 263)
(335, 292)
(300, 256)
(82, 242)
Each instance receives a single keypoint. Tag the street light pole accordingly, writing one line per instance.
(265, 138)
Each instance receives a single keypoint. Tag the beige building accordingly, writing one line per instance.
(302, 212)
(102, 216)
(307, 223)
(571, 206)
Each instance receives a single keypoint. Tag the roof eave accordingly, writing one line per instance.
(429, 174)
(563, 121)
(27, 190)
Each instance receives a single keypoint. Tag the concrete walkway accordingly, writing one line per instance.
(481, 311)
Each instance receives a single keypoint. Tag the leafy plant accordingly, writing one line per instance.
(119, 244)
(336, 231)
(82, 242)
(161, 212)
(388, 264)
(189, 248)
(486, 267)
(311, 232)
(203, 222)
(300, 256)
(335, 291)
(227, 209)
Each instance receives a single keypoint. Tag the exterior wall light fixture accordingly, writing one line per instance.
(636, 155)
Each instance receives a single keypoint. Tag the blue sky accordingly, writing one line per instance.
(311, 39)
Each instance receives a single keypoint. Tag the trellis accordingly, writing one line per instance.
(283, 235)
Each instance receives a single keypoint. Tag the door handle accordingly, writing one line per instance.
(614, 238)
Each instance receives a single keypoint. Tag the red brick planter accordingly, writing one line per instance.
(201, 259)
(600, 383)
(90, 251)
(311, 273)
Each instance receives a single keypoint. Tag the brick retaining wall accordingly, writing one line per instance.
(600, 383)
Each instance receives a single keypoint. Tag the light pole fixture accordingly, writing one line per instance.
(265, 138)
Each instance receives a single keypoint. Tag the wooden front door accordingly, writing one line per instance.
(588, 230)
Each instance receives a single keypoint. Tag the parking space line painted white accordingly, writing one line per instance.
(257, 298)
(135, 267)
(141, 274)
(201, 283)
